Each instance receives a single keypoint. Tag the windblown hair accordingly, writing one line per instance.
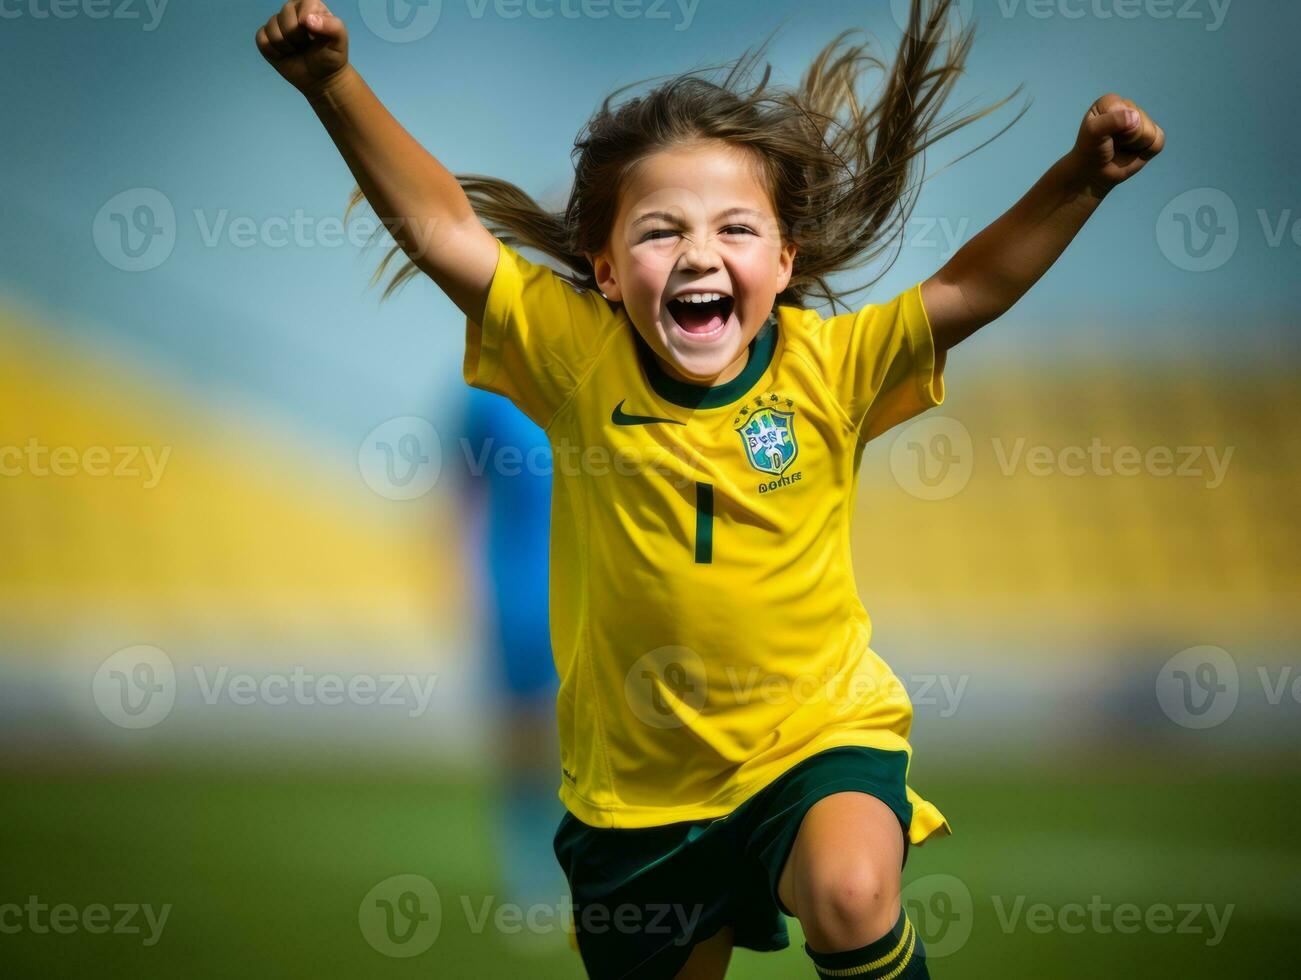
(843, 172)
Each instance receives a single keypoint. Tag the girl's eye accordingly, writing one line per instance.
(659, 234)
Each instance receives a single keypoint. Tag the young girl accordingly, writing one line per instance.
(732, 749)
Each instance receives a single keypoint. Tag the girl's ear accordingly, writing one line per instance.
(785, 265)
(606, 281)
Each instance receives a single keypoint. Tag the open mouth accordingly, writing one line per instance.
(701, 314)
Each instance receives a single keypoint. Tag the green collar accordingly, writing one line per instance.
(689, 395)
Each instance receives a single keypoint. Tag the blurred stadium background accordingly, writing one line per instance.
(207, 429)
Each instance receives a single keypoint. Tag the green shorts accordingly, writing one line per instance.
(642, 898)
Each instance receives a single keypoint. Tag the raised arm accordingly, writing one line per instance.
(996, 268)
(415, 196)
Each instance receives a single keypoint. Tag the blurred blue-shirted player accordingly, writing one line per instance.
(507, 464)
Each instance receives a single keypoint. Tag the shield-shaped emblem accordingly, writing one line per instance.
(769, 438)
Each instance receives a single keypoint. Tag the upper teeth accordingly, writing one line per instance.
(699, 297)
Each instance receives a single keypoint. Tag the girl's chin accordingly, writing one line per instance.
(701, 367)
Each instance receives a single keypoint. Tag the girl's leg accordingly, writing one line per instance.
(709, 959)
(842, 881)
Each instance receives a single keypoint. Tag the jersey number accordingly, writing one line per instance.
(704, 523)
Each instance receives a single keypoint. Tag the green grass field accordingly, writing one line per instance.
(265, 875)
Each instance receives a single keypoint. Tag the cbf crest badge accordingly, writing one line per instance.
(769, 437)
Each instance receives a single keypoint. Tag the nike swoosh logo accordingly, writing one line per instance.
(620, 417)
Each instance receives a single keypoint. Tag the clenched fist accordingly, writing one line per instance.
(1116, 141)
(306, 43)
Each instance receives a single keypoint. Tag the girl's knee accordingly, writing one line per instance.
(848, 906)
(843, 874)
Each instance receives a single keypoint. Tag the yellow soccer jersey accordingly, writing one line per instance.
(705, 622)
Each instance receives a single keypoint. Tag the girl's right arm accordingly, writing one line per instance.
(419, 201)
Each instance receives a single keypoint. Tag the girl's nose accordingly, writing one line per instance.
(700, 255)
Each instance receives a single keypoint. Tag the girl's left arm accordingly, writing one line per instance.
(996, 268)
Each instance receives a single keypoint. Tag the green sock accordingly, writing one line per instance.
(898, 955)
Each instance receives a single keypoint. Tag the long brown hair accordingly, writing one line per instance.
(842, 173)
